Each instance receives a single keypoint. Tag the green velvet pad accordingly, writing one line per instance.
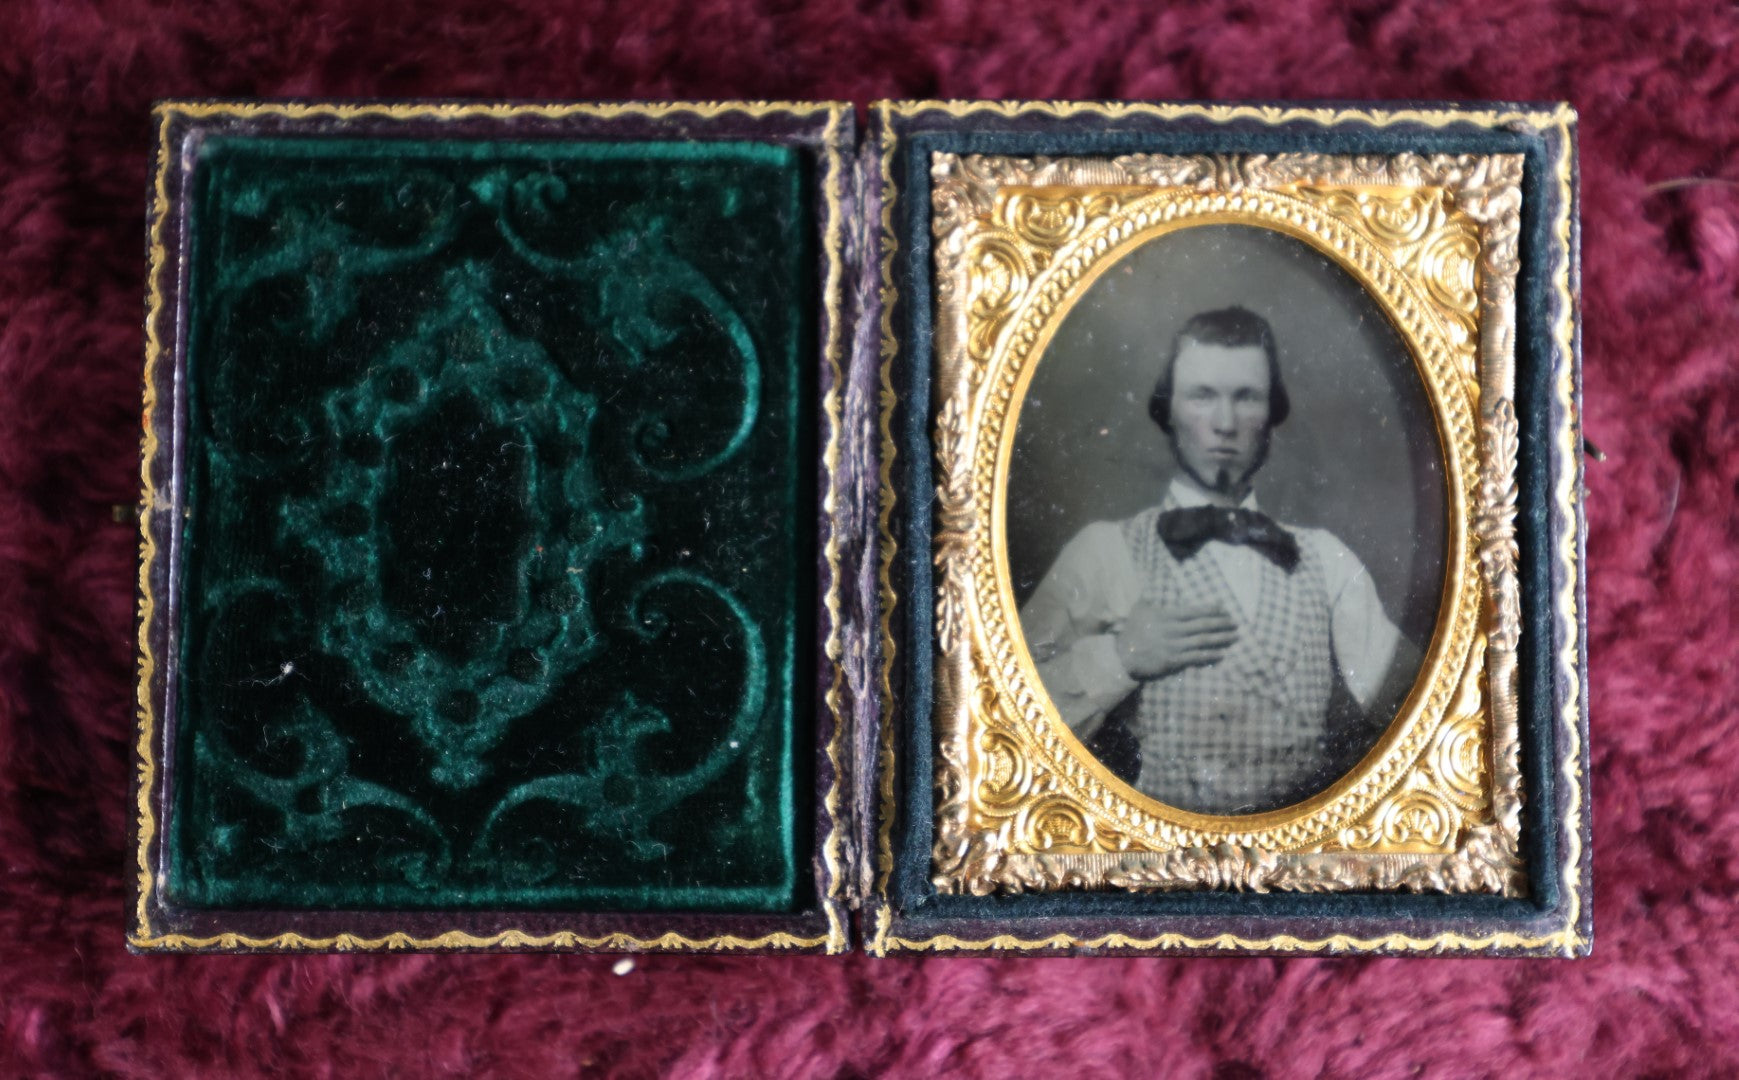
(499, 564)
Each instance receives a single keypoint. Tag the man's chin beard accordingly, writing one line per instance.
(1221, 481)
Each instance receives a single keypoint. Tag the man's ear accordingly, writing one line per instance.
(1159, 407)
(1279, 405)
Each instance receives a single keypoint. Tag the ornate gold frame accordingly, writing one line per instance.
(1021, 806)
(144, 933)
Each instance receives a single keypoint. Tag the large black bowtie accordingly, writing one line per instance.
(1185, 531)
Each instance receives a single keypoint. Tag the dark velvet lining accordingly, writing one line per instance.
(910, 890)
(498, 563)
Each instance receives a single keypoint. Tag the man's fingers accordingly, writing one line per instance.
(1197, 611)
(1201, 657)
(1205, 629)
(1209, 639)
(1215, 645)
(1211, 628)
(1205, 623)
(1206, 620)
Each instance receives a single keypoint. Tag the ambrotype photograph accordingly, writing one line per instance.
(1226, 520)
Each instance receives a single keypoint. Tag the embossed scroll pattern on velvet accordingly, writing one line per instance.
(493, 576)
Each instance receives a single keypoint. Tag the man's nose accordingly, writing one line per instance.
(1223, 419)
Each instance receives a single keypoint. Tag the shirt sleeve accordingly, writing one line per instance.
(1071, 623)
(1364, 639)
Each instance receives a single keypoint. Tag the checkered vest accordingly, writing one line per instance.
(1246, 731)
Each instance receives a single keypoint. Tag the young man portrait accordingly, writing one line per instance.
(1234, 648)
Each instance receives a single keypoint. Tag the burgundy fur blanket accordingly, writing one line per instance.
(1657, 85)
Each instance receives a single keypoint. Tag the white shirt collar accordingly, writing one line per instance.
(1183, 495)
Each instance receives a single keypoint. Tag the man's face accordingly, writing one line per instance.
(1219, 413)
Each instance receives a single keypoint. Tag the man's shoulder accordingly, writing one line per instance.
(1096, 561)
(1321, 539)
(1337, 560)
(1124, 522)
(1099, 535)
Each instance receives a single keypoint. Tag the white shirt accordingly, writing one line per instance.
(1072, 619)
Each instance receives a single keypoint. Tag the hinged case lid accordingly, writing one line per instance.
(489, 591)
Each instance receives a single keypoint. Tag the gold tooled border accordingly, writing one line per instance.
(1567, 939)
(143, 935)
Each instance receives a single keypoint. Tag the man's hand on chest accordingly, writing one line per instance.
(1157, 640)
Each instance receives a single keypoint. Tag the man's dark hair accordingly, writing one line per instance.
(1232, 327)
